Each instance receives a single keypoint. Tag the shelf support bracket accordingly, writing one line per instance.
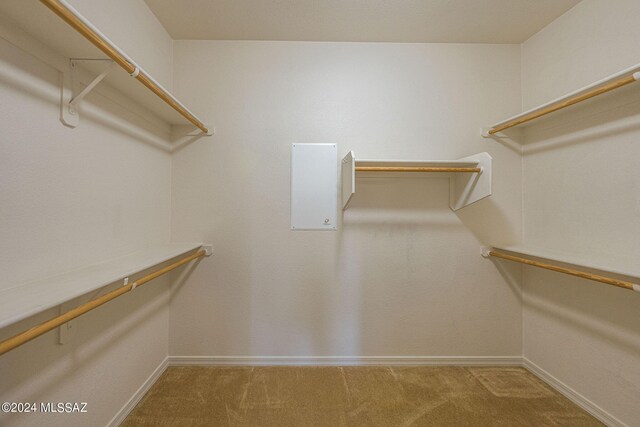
(78, 98)
(66, 331)
(70, 115)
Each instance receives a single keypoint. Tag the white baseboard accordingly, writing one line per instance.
(344, 360)
(139, 394)
(558, 385)
(573, 395)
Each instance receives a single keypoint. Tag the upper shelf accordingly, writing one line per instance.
(60, 27)
(19, 302)
(470, 177)
(614, 81)
(614, 265)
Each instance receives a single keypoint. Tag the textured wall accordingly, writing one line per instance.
(403, 275)
(582, 196)
(70, 198)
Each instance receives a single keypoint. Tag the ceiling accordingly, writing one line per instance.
(433, 21)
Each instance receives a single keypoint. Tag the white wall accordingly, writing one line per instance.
(403, 275)
(581, 188)
(135, 29)
(70, 198)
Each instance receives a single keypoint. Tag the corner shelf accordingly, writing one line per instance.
(612, 82)
(25, 300)
(469, 177)
(32, 26)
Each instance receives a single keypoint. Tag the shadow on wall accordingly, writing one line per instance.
(512, 139)
(593, 309)
(488, 223)
(181, 275)
(36, 79)
(511, 272)
(420, 202)
(97, 331)
(607, 115)
(400, 245)
(617, 111)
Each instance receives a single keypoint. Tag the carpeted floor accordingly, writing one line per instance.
(354, 396)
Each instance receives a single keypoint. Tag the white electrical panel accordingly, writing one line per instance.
(314, 186)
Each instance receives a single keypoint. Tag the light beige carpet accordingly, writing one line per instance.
(354, 396)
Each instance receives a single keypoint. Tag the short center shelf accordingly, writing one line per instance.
(469, 177)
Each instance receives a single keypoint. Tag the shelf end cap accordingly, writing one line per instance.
(485, 251)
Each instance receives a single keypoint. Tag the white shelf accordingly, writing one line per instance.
(41, 24)
(631, 71)
(30, 298)
(418, 163)
(464, 188)
(622, 267)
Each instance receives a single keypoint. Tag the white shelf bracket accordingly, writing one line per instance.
(66, 331)
(208, 250)
(348, 178)
(70, 81)
(468, 188)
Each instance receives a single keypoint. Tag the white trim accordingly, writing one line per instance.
(558, 385)
(139, 394)
(345, 360)
(572, 395)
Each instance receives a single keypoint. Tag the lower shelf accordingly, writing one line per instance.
(25, 300)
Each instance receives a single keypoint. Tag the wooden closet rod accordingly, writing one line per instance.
(71, 17)
(589, 276)
(563, 103)
(36, 331)
(414, 169)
